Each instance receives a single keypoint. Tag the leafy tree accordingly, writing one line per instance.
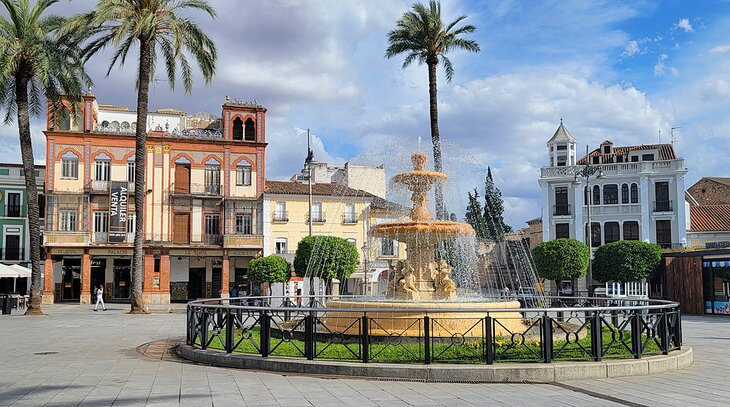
(561, 259)
(626, 261)
(271, 269)
(36, 60)
(326, 257)
(424, 38)
(157, 27)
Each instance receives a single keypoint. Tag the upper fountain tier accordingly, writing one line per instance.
(419, 182)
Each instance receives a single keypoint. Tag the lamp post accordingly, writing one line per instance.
(587, 172)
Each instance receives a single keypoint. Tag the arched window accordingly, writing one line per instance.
(243, 174)
(125, 126)
(610, 194)
(105, 123)
(634, 193)
(631, 230)
(69, 166)
(611, 232)
(250, 130)
(238, 129)
(102, 167)
(624, 193)
(64, 121)
(115, 125)
(596, 195)
(212, 177)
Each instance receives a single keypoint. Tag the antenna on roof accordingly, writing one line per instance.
(660, 136)
(671, 134)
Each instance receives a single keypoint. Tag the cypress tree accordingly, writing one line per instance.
(487, 220)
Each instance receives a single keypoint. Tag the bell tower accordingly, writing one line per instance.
(244, 121)
(562, 147)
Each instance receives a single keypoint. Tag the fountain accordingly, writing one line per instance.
(422, 282)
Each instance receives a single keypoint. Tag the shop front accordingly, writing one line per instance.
(112, 269)
(196, 274)
(716, 286)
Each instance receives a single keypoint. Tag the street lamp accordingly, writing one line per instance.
(587, 172)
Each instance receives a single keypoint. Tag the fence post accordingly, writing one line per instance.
(596, 336)
(190, 325)
(230, 332)
(488, 340)
(664, 332)
(636, 334)
(309, 336)
(427, 339)
(204, 329)
(265, 334)
(547, 338)
(365, 338)
(678, 329)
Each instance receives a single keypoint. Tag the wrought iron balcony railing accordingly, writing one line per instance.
(318, 217)
(279, 216)
(663, 206)
(196, 189)
(561, 210)
(349, 219)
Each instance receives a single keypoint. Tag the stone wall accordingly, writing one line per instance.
(711, 192)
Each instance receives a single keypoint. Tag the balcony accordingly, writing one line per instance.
(97, 186)
(349, 219)
(65, 238)
(15, 211)
(201, 190)
(212, 240)
(645, 167)
(243, 241)
(663, 206)
(561, 210)
(281, 217)
(318, 217)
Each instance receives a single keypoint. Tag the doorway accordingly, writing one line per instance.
(98, 276)
(71, 280)
(196, 283)
(182, 179)
(217, 281)
(122, 279)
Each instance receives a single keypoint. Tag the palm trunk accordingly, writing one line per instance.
(435, 137)
(26, 148)
(140, 155)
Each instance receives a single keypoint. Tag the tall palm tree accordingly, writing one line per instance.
(423, 37)
(36, 61)
(157, 27)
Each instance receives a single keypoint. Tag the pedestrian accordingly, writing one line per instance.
(100, 298)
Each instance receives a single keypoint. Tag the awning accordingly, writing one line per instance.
(373, 275)
(22, 271)
(8, 272)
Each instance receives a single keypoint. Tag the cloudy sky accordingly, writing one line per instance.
(624, 71)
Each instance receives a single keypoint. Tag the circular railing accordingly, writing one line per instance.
(371, 330)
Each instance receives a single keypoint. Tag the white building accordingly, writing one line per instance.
(636, 193)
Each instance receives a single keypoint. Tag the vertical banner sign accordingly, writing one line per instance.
(118, 212)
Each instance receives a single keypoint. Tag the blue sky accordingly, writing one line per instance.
(611, 69)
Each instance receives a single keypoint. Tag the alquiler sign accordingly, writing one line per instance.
(118, 212)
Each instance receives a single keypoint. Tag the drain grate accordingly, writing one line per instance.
(46, 353)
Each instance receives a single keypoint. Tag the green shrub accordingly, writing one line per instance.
(272, 269)
(561, 259)
(330, 257)
(625, 261)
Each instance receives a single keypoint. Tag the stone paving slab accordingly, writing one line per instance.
(76, 357)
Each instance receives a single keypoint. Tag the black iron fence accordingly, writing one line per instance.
(593, 330)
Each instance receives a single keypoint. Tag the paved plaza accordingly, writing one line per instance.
(77, 357)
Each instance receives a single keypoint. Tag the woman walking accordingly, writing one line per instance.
(100, 298)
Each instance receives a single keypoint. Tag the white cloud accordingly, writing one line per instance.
(720, 49)
(684, 24)
(631, 49)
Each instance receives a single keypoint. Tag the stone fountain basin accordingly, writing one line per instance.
(410, 324)
(434, 229)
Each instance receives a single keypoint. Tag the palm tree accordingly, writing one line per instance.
(423, 37)
(36, 61)
(157, 28)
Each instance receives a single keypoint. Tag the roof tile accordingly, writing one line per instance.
(709, 218)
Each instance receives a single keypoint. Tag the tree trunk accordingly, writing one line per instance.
(435, 137)
(26, 149)
(140, 155)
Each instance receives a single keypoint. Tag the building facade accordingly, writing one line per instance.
(710, 191)
(637, 193)
(14, 232)
(202, 218)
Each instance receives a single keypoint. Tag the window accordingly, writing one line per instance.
(596, 195)
(631, 230)
(69, 166)
(250, 130)
(595, 234)
(41, 206)
(619, 158)
(212, 177)
(101, 222)
(13, 207)
(610, 194)
(634, 193)
(317, 215)
(280, 212)
(350, 213)
(596, 160)
(607, 149)
(624, 193)
(661, 190)
(131, 169)
(280, 245)
(131, 217)
(562, 230)
(212, 225)
(634, 158)
(238, 129)
(67, 221)
(562, 147)
(611, 232)
(561, 201)
(244, 224)
(647, 157)
(664, 233)
(243, 174)
(12, 244)
(387, 247)
(101, 169)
